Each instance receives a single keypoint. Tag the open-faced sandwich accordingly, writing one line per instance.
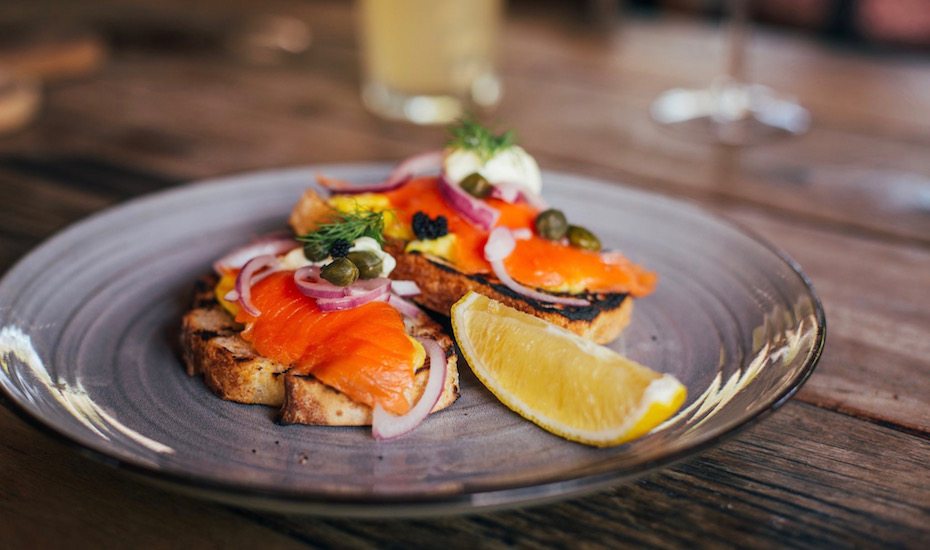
(324, 323)
(478, 223)
(331, 341)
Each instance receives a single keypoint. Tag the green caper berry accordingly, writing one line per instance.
(315, 252)
(477, 186)
(582, 238)
(340, 272)
(551, 224)
(368, 263)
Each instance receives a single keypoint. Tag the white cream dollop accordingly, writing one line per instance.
(295, 259)
(512, 165)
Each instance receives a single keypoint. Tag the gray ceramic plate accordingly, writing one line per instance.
(89, 323)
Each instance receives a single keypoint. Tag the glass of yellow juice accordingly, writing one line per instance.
(429, 61)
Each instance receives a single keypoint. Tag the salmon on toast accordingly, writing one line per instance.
(330, 341)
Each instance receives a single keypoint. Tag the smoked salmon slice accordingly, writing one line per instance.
(363, 352)
(546, 264)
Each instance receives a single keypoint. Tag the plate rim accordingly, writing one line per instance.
(416, 505)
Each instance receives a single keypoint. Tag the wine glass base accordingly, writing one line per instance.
(731, 113)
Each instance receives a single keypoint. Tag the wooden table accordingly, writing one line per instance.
(845, 463)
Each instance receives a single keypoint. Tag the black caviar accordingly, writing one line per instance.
(340, 248)
(427, 229)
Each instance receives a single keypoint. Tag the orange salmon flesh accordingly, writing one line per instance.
(363, 352)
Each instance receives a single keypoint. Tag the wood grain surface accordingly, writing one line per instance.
(845, 464)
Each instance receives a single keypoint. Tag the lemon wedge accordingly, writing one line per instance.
(565, 384)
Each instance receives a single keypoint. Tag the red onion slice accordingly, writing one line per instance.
(501, 272)
(506, 191)
(522, 234)
(247, 277)
(475, 211)
(405, 288)
(270, 244)
(512, 192)
(354, 300)
(417, 164)
(385, 425)
(424, 162)
(346, 188)
(363, 286)
(310, 284)
(330, 297)
(405, 307)
(500, 245)
(258, 277)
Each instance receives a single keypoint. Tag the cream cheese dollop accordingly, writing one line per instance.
(512, 165)
(295, 259)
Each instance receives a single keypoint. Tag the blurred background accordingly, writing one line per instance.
(119, 98)
(48, 44)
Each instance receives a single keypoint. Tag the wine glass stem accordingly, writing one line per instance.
(736, 46)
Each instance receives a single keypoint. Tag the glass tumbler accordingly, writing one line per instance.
(429, 61)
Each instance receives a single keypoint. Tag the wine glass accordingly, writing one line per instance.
(732, 111)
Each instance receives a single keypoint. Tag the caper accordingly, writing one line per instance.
(551, 224)
(476, 185)
(368, 263)
(340, 272)
(582, 238)
(315, 251)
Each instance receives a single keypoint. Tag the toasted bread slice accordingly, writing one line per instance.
(211, 346)
(442, 285)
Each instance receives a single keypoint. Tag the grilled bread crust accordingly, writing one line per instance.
(211, 346)
(442, 285)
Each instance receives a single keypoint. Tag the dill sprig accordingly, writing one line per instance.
(472, 136)
(348, 227)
